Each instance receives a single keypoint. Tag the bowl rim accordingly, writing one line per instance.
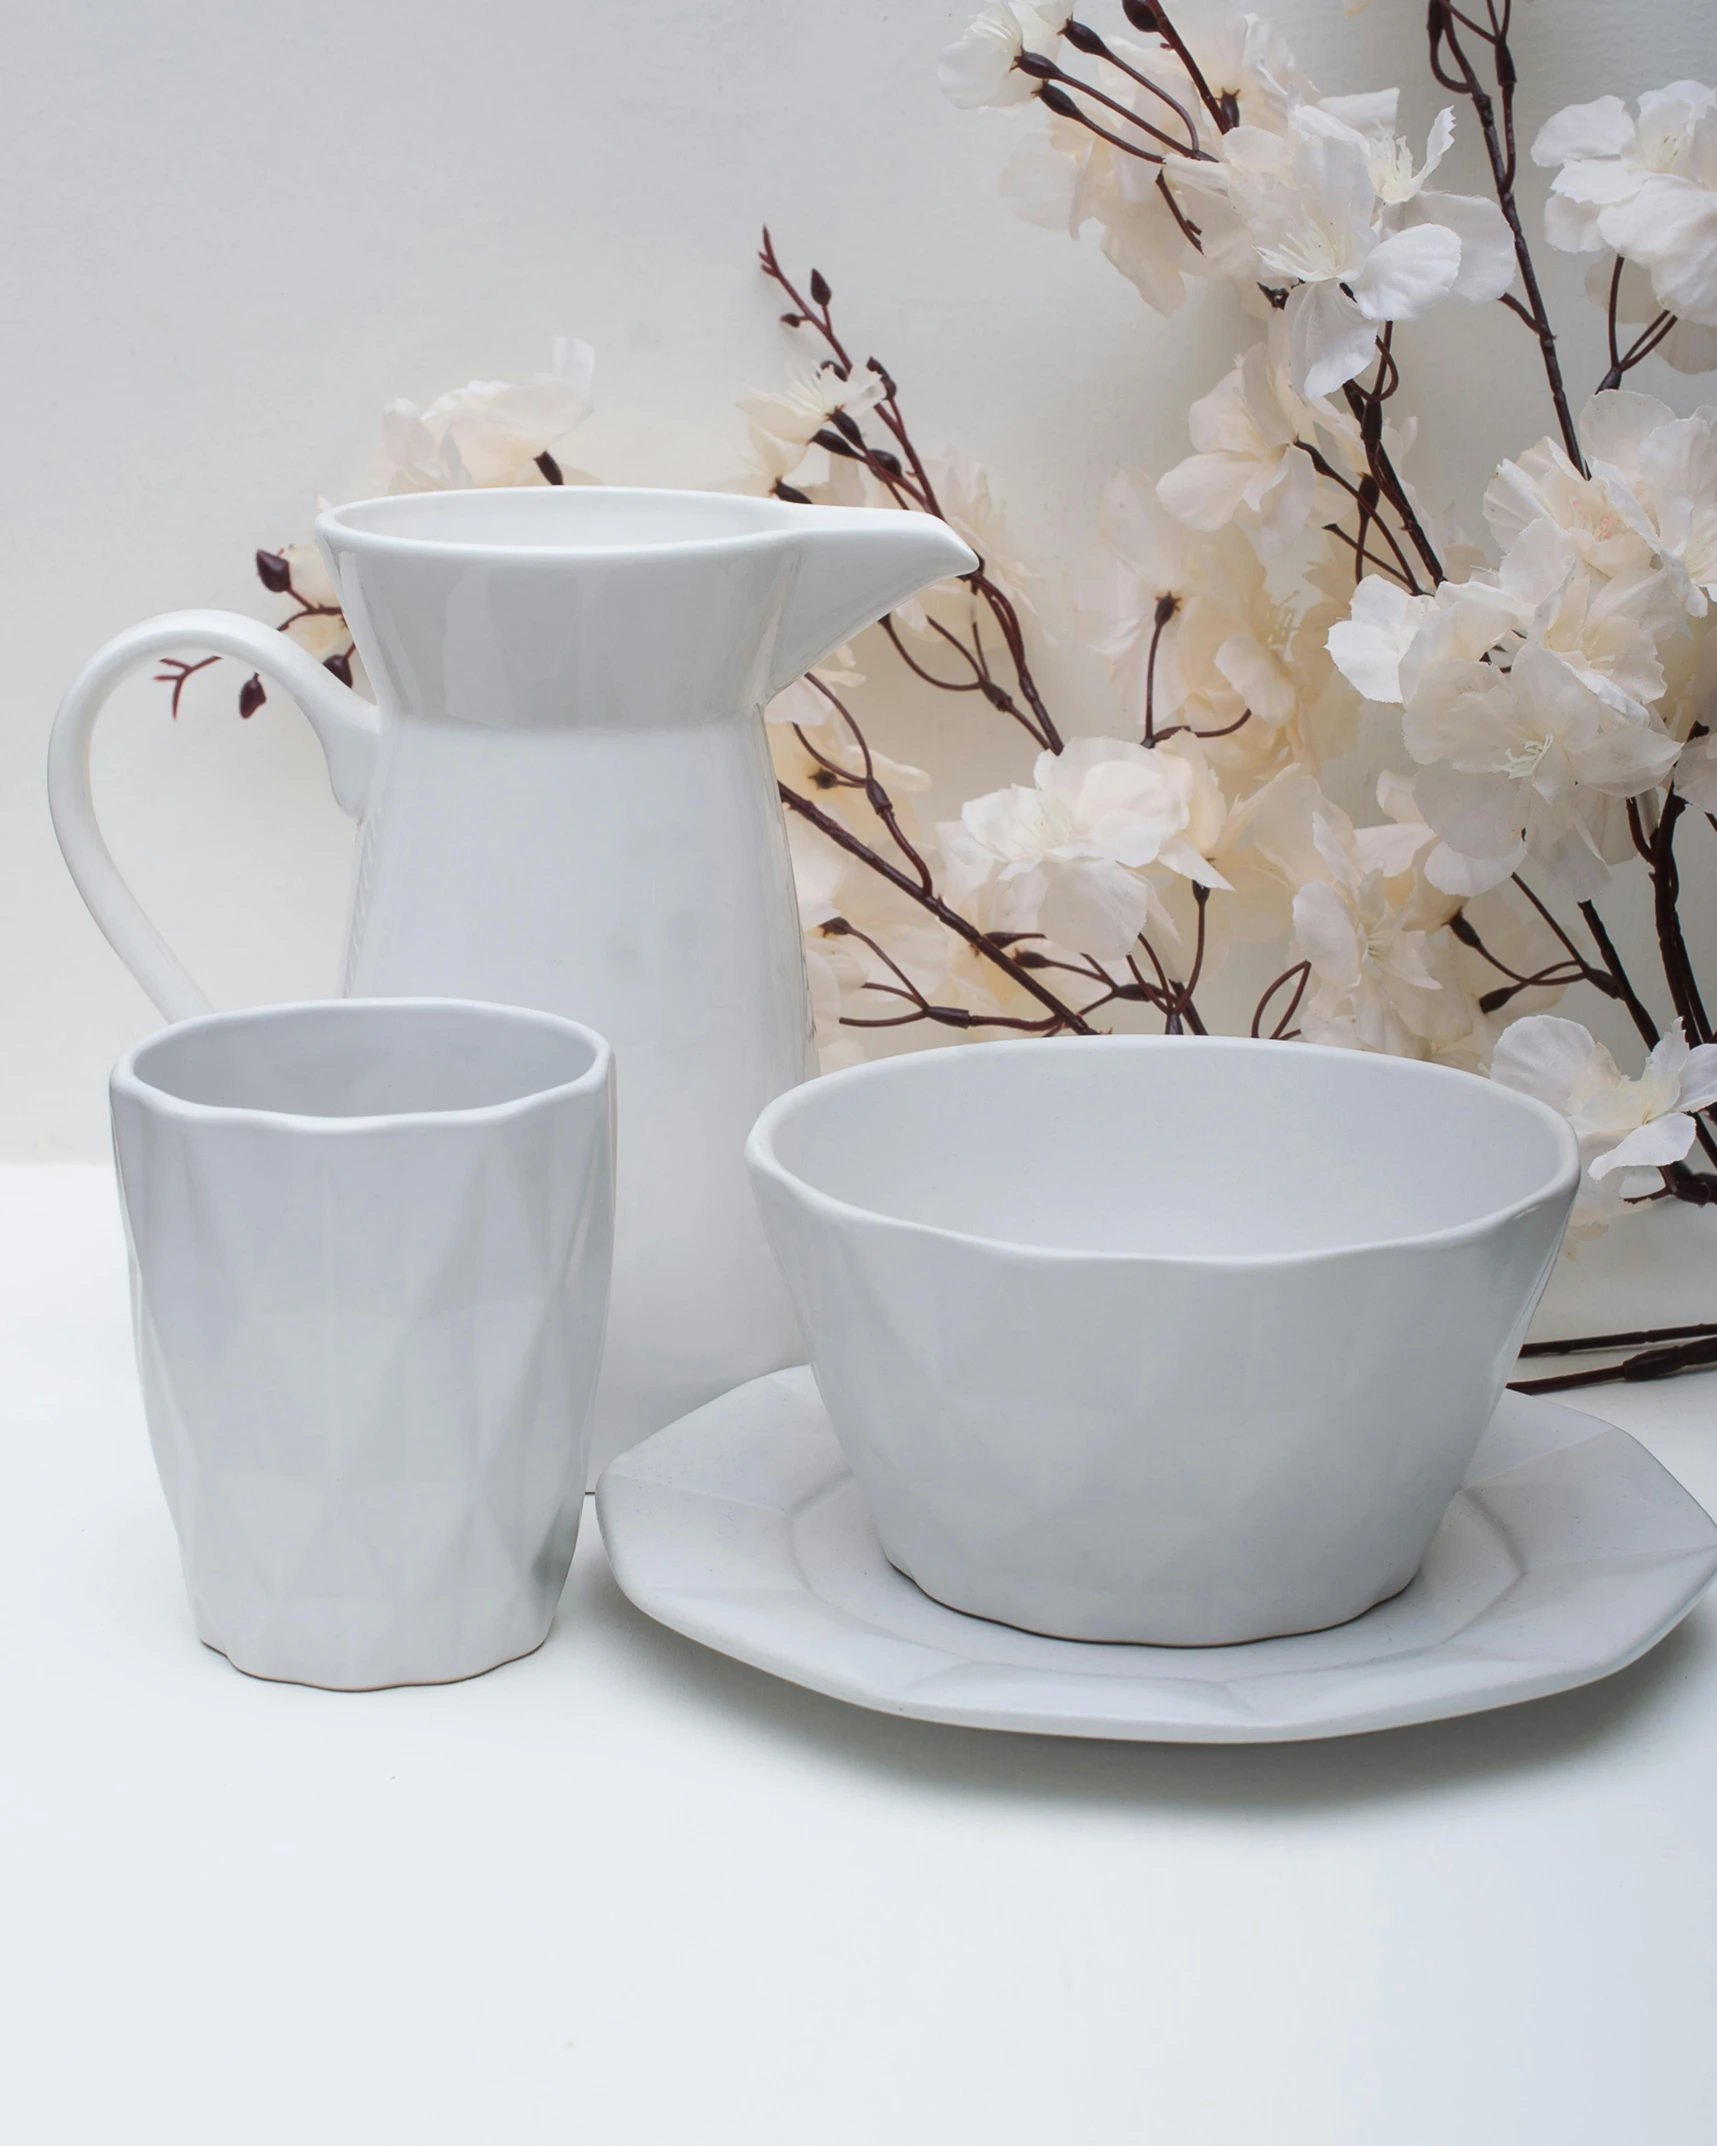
(761, 1157)
(135, 1086)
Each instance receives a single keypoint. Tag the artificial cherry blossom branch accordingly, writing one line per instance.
(1086, 40)
(980, 942)
(923, 1009)
(1046, 72)
(1367, 405)
(906, 478)
(1299, 976)
(177, 673)
(1149, 16)
(1441, 21)
(1654, 1363)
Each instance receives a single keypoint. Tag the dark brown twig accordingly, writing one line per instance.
(1454, 69)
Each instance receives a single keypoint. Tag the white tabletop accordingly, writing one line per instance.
(627, 1891)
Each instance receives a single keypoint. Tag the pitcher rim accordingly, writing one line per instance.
(779, 518)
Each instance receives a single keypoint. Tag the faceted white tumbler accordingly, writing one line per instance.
(370, 1245)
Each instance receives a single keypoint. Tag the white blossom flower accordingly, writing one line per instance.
(490, 432)
(1369, 643)
(1645, 187)
(1605, 629)
(1334, 207)
(1621, 1124)
(1487, 245)
(1243, 57)
(1251, 432)
(1064, 177)
(1661, 472)
(971, 510)
(1506, 753)
(978, 68)
(1374, 982)
(784, 423)
(1311, 212)
(1187, 622)
(1072, 854)
(1543, 484)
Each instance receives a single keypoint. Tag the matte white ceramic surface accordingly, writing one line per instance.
(370, 1248)
(1567, 1554)
(566, 802)
(1173, 1339)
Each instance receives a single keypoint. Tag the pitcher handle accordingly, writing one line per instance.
(345, 723)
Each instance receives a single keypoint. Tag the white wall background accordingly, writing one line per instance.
(233, 231)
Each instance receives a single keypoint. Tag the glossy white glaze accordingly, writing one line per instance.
(1176, 1340)
(566, 802)
(370, 1257)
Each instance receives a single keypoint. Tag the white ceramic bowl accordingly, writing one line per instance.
(1166, 1339)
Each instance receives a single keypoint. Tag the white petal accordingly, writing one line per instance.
(1180, 856)
(1096, 907)
(1696, 773)
(1663, 1140)
(1390, 850)
(1602, 128)
(1327, 935)
(1545, 1056)
(1367, 646)
(1437, 141)
(1330, 338)
(978, 68)
(1206, 491)
(1699, 1078)
(1041, 185)
(1407, 274)
(1671, 225)
(1451, 873)
(1290, 499)
(1258, 676)
(1487, 245)
(1479, 815)
(1572, 226)
(1364, 109)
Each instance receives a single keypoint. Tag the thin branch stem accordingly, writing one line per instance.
(1441, 28)
(928, 899)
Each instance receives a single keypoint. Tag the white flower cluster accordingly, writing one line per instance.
(1077, 855)
(1557, 705)
(1628, 1129)
(1553, 704)
(1645, 190)
(491, 432)
(1534, 694)
(1317, 198)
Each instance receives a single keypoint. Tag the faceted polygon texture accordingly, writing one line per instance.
(1568, 1552)
(368, 1351)
(1183, 1341)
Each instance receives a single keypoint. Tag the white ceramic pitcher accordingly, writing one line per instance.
(566, 802)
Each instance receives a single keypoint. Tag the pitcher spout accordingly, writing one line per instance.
(855, 564)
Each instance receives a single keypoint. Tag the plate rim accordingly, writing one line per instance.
(674, 1608)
